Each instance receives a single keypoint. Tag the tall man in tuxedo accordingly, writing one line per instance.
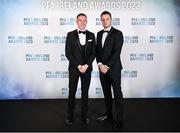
(108, 50)
(80, 51)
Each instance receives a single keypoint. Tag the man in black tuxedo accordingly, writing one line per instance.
(80, 51)
(108, 50)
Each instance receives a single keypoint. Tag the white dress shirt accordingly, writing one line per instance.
(103, 40)
(105, 35)
(82, 38)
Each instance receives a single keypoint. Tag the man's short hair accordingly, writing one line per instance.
(81, 14)
(105, 12)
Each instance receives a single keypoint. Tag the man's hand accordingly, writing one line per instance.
(103, 68)
(83, 68)
(80, 68)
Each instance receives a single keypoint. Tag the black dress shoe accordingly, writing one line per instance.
(85, 121)
(105, 118)
(68, 122)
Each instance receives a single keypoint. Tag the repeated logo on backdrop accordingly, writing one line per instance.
(32, 47)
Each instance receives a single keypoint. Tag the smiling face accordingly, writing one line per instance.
(81, 22)
(106, 20)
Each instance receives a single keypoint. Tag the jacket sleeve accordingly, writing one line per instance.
(93, 53)
(98, 50)
(117, 49)
(68, 51)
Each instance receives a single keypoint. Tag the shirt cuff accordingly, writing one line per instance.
(99, 63)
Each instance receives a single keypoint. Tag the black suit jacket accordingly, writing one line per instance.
(110, 54)
(73, 50)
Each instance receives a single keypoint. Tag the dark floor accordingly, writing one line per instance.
(49, 115)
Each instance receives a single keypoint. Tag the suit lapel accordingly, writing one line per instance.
(87, 38)
(77, 39)
(100, 39)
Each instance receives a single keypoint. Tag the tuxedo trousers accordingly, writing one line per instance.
(112, 79)
(73, 82)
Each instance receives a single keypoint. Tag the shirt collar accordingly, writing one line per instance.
(108, 29)
(80, 30)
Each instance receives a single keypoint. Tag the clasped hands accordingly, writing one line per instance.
(83, 68)
(103, 68)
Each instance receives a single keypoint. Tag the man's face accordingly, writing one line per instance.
(106, 20)
(81, 22)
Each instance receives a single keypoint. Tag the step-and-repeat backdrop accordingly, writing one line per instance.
(33, 64)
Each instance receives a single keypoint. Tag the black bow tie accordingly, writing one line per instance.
(105, 31)
(84, 32)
